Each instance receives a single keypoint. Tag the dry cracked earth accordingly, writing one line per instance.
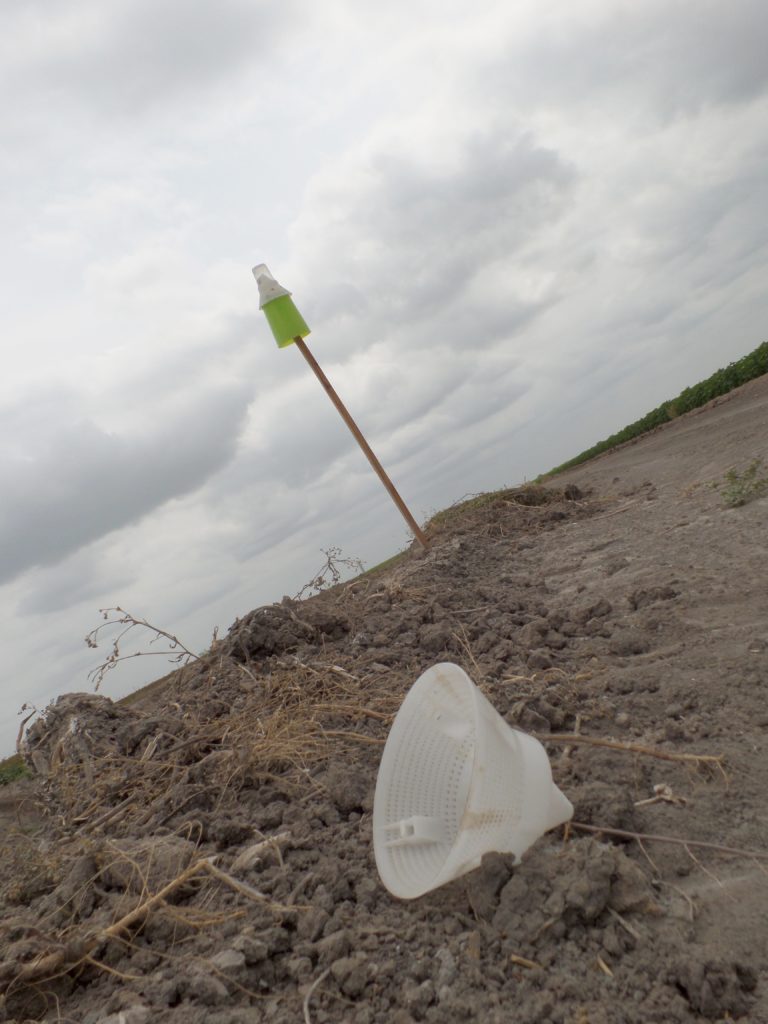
(206, 855)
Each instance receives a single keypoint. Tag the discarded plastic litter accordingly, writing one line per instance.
(455, 782)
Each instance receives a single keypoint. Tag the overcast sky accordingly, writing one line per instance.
(513, 227)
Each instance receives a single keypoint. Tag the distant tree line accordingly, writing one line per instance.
(720, 383)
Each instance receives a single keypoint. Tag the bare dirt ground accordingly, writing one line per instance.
(209, 858)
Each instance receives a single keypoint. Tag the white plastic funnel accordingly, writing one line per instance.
(455, 782)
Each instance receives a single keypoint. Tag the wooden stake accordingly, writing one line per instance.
(367, 451)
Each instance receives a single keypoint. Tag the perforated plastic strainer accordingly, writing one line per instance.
(455, 782)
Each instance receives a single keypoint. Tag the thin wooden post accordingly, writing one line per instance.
(367, 451)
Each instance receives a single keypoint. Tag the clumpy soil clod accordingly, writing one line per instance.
(207, 856)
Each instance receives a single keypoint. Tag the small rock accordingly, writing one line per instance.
(599, 803)
(538, 660)
(227, 833)
(630, 888)
(204, 988)
(485, 883)
(597, 610)
(333, 947)
(554, 641)
(418, 998)
(162, 991)
(627, 642)
(716, 988)
(435, 637)
(229, 959)
(614, 565)
(643, 598)
(351, 973)
(230, 1015)
(346, 788)
(531, 633)
(366, 891)
(448, 970)
(532, 721)
(299, 967)
(253, 949)
(278, 940)
(612, 942)
(420, 968)
(135, 865)
(311, 923)
(271, 816)
(386, 968)
(144, 960)
(323, 898)
(133, 1015)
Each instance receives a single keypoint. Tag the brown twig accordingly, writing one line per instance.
(311, 991)
(75, 952)
(79, 949)
(651, 838)
(463, 642)
(523, 961)
(118, 616)
(615, 512)
(252, 855)
(604, 966)
(107, 816)
(241, 887)
(348, 709)
(140, 912)
(684, 894)
(631, 748)
(628, 928)
(24, 721)
(360, 737)
(653, 865)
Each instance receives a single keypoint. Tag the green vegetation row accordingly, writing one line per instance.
(12, 768)
(720, 383)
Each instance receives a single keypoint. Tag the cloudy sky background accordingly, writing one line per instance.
(514, 227)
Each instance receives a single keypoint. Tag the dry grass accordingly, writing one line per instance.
(504, 513)
(290, 721)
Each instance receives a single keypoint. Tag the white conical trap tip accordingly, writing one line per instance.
(456, 782)
(269, 288)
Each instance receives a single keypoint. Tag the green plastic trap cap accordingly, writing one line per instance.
(285, 321)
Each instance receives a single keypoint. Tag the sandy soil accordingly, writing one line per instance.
(627, 602)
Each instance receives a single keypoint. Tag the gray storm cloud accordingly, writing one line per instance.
(131, 55)
(680, 57)
(80, 482)
(436, 227)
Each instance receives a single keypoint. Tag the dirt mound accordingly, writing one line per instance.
(209, 858)
(282, 627)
